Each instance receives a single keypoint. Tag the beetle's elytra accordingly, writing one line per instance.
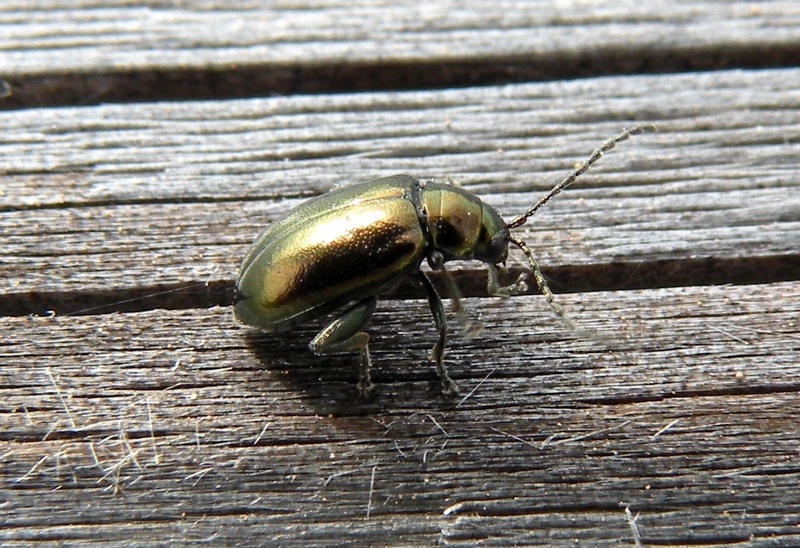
(339, 251)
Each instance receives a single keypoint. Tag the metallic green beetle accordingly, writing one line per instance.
(342, 249)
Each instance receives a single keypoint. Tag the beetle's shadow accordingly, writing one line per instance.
(325, 383)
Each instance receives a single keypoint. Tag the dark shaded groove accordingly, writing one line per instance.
(261, 81)
(134, 299)
(563, 279)
(645, 275)
(169, 200)
(694, 394)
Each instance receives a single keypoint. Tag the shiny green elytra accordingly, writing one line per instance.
(337, 252)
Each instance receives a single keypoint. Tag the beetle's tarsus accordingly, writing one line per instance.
(494, 289)
(521, 285)
(365, 385)
(437, 353)
(449, 387)
(365, 391)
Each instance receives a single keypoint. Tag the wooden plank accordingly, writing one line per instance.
(678, 404)
(176, 424)
(67, 52)
(127, 198)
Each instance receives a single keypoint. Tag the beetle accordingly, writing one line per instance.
(338, 251)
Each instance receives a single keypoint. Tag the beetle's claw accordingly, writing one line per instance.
(518, 287)
(449, 388)
(365, 388)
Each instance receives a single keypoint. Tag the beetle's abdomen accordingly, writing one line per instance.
(329, 258)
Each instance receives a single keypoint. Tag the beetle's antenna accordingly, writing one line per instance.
(568, 180)
(542, 283)
(583, 168)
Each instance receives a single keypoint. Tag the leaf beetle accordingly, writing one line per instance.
(338, 251)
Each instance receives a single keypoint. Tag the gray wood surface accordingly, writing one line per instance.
(669, 418)
(125, 195)
(66, 52)
(197, 33)
(172, 424)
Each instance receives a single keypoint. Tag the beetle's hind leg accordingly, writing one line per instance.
(437, 354)
(344, 334)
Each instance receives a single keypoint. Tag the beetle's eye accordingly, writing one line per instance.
(498, 249)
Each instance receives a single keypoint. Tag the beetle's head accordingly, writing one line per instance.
(462, 226)
(493, 237)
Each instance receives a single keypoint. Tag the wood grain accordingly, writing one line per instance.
(128, 197)
(62, 52)
(176, 424)
(668, 418)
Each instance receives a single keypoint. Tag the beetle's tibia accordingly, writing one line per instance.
(469, 327)
(437, 353)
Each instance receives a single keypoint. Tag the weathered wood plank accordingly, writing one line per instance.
(53, 35)
(509, 136)
(66, 52)
(126, 197)
(684, 408)
(178, 425)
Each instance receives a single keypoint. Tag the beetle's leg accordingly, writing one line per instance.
(470, 328)
(344, 334)
(494, 288)
(542, 284)
(437, 354)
